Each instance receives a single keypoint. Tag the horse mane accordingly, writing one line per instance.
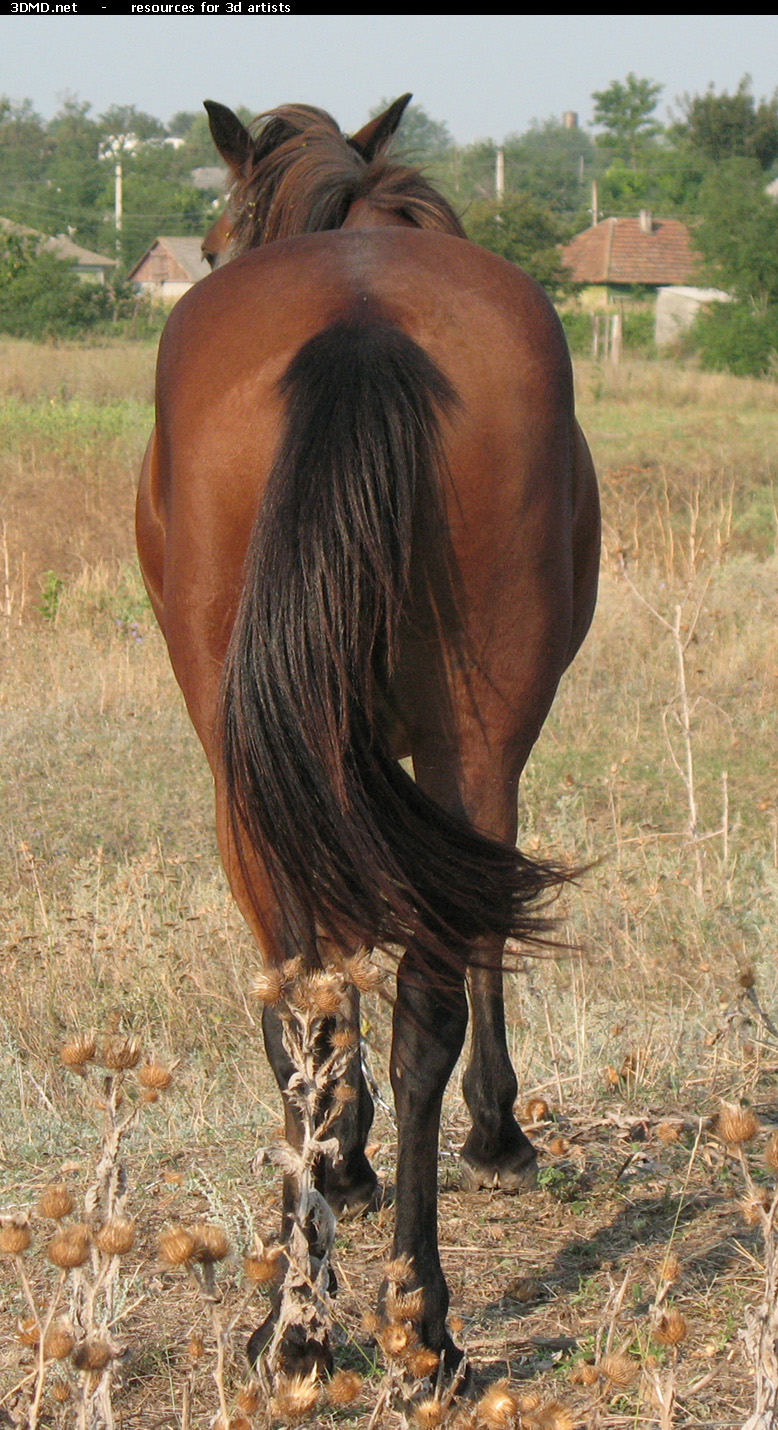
(304, 176)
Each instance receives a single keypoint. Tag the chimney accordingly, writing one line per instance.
(570, 119)
(646, 220)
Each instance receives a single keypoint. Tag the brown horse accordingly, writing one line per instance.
(369, 527)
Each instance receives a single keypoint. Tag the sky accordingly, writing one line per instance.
(485, 76)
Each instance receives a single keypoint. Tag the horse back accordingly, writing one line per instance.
(508, 448)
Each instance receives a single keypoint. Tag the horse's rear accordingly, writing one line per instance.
(368, 523)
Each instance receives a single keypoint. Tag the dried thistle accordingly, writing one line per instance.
(211, 1243)
(497, 1409)
(263, 1264)
(294, 1396)
(94, 1353)
(344, 1038)
(268, 985)
(119, 1054)
(154, 1077)
(60, 1391)
(422, 1362)
(343, 1094)
(755, 1205)
(670, 1329)
(584, 1374)
(399, 1270)
(670, 1269)
(249, 1397)
(362, 971)
(116, 1236)
(735, 1124)
(396, 1339)
(619, 1368)
(56, 1201)
(537, 1110)
(15, 1236)
(195, 1348)
(177, 1246)
(404, 1305)
(58, 1341)
(78, 1052)
(771, 1153)
(429, 1413)
(69, 1247)
(344, 1387)
(28, 1332)
(319, 992)
(553, 1416)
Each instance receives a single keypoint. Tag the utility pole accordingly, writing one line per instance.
(499, 175)
(117, 204)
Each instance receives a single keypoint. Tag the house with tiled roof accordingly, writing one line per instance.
(169, 268)
(629, 252)
(86, 264)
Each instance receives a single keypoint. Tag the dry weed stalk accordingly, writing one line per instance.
(736, 1125)
(87, 1254)
(320, 1043)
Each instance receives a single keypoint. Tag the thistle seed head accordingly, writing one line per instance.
(92, 1354)
(396, 1339)
(211, 1243)
(399, 1270)
(499, 1406)
(619, 1369)
(177, 1246)
(15, 1236)
(59, 1341)
(343, 1039)
(28, 1332)
(69, 1247)
(670, 1329)
(268, 985)
(196, 1348)
(79, 1051)
(404, 1305)
(154, 1077)
(344, 1387)
(537, 1110)
(263, 1264)
(428, 1413)
(554, 1416)
(294, 1396)
(422, 1362)
(56, 1201)
(249, 1397)
(771, 1153)
(119, 1054)
(116, 1236)
(735, 1124)
(60, 1391)
(362, 972)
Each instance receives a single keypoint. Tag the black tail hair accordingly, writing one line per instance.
(348, 839)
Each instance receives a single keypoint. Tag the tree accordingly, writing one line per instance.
(729, 126)
(524, 232)
(625, 112)
(550, 164)
(738, 232)
(41, 297)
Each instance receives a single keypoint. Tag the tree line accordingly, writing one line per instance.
(709, 165)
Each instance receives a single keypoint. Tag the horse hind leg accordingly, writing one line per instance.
(496, 1152)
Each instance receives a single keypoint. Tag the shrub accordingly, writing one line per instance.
(738, 338)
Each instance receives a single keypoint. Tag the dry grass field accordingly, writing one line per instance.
(615, 1294)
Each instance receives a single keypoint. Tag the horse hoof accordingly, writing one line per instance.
(508, 1175)
(354, 1199)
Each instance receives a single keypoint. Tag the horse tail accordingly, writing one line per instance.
(348, 840)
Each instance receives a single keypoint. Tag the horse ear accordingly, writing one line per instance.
(232, 139)
(370, 140)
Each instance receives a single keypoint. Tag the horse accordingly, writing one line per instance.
(368, 524)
